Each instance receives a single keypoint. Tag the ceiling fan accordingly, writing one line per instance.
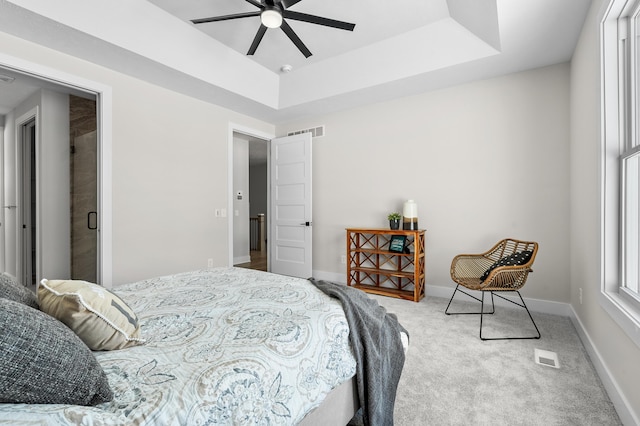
(272, 14)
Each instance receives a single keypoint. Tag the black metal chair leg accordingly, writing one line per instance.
(481, 313)
(523, 305)
(446, 311)
(530, 317)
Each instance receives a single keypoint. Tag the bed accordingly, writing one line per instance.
(219, 346)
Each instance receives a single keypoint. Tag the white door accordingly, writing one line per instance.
(291, 222)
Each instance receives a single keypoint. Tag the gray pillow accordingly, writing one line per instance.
(12, 290)
(44, 362)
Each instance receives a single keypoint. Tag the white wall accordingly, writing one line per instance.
(484, 161)
(258, 182)
(169, 169)
(617, 353)
(241, 252)
(54, 181)
(258, 188)
(9, 185)
(52, 156)
(2, 204)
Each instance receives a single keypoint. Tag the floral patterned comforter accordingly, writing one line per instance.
(225, 346)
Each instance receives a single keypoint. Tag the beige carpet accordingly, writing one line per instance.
(451, 377)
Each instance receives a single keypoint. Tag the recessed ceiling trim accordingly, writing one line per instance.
(433, 47)
(166, 50)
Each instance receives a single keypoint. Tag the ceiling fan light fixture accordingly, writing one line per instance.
(271, 18)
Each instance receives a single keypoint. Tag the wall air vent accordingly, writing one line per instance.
(316, 132)
(6, 79)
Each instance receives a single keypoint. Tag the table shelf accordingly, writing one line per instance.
(373, 268)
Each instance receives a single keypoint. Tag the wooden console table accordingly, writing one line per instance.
(373, 268)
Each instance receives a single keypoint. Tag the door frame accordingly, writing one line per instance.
(245, 130)
(104, 116)
(23, 261)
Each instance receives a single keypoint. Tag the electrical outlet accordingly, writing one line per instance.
(343, 259)
(209, 263)
(580, 295)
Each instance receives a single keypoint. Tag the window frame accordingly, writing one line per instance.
(620, 98)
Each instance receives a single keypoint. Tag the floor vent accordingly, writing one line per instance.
(316, 132)
(547, 358)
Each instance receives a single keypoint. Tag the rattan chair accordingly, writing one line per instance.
(503, 268)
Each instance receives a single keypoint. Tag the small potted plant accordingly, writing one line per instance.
(394, 220)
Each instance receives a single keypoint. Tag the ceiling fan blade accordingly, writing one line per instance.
(288, 3)
(255, 3)
(319, 20)
(257, 39)
(295, 39)
(225, 17)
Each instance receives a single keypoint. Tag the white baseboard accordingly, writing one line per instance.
(620, 402)
(534, 305)
(241, 259)
(330, 276)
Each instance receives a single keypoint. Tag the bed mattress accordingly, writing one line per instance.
(223, 346)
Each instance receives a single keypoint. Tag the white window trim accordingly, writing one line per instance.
(625, 314)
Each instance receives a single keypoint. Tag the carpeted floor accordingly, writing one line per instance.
(451, 377)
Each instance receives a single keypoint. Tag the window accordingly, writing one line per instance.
(629, 61)
(620, 57)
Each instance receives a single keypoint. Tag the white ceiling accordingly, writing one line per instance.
(373, 20)
(397, 49)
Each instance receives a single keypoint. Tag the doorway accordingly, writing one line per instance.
(250, 202)
(29, 261)
(293, 164)
(34, 82)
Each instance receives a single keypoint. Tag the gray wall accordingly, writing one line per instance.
(484, 161)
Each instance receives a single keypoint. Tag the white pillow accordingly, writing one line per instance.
(100, 318)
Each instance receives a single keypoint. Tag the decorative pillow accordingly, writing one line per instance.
(518, 258)
(43, 362)
(99, 317)
(13, 290)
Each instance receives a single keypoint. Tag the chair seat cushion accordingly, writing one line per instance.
(518, 258)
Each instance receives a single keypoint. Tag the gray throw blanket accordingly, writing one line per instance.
(375, 338)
